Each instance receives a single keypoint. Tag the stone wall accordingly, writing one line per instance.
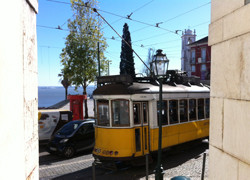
(18, 90)
(229, 36)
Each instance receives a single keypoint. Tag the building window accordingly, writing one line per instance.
(189, 41)
(203, 55)
(193, 68)
(103, 112)
(203, 67)
(193, 57)
(120, 112)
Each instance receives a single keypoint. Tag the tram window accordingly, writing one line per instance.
(201, 112)
(192, 109)
(103, 112)
(173, 111)
(136, 109)
(137, 140)
(120, 112)
(183, 111)
(145, 113)
(207, 106)
(164, 120)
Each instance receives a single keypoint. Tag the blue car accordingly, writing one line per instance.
(73, 137)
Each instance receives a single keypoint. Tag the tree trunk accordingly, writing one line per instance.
(86, 108)
(66, 93)
(86, 115)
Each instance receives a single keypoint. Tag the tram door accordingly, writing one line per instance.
(140, 117)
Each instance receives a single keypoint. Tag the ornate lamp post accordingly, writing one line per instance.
(159, 65)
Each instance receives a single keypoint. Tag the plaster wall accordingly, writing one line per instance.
(18, 90)
(229, 36)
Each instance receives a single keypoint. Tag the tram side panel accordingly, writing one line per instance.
(193, 130)
(114, 142)
(178, 133)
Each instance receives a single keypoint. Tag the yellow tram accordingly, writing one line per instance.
(127, 116)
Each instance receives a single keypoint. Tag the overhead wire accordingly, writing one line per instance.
(143, 6)
(200, 24)
(186, 12)
(49, 27)
(95, 10)
(167, 33)
(67, 21)
(150, 37)
(44, 46)
(128, 16)
(107, 12)
(122, 17)
(176, 16)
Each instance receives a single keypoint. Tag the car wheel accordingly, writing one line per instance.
(68, 152)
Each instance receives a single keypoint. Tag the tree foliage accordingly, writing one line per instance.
(66, 83)
(127, 59)
(79, 57)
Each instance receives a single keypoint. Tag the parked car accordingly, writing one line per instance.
(73, 137)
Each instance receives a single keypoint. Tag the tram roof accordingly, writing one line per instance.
(147, 88)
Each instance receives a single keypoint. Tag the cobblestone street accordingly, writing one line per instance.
(185, 160)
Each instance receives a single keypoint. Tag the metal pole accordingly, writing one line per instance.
(159, 169)
(108, 67)
(99, 64)
(146, 166)
(203, 166)
(93, 170)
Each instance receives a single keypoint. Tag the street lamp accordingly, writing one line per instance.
(159, 65)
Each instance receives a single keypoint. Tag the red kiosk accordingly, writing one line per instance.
(76, 105)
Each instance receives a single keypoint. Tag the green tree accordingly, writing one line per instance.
(79, 57)
(65, 82)
(127, 59)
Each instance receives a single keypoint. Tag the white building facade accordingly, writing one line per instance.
(18, 90)
(229, 36)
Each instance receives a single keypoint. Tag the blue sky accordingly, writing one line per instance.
(171, 14)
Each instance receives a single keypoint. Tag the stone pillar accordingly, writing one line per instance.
(18, 90)
(229, 36)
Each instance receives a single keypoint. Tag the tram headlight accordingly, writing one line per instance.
(116, 153)
(97, 150)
